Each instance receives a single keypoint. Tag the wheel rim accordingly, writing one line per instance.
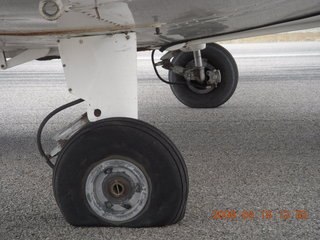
(117, 190)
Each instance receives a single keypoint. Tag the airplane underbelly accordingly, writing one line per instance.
(156, 22)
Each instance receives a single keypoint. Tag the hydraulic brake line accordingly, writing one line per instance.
(43, 124)
(158, 75)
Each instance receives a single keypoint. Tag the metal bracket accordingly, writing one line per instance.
(23, 57)
(103, 71)
(185, 47)
(67, 132)
(193, 48)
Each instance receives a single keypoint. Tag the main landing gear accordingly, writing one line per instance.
(115, 170)
(201, 77)
(112, 169)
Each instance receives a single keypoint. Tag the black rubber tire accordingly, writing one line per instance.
(130, 138)
(220, 59)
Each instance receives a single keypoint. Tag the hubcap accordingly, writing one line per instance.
(117, 190)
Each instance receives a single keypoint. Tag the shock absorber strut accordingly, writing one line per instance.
(198, 63)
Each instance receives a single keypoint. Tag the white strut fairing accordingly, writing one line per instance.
(102, 71)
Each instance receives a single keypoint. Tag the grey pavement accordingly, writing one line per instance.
(260, 151)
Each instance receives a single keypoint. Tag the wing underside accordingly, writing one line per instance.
(157, 23)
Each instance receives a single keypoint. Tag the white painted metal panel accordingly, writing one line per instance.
(102, 70)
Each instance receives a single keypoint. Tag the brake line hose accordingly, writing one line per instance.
(43, 124)
(158, 75)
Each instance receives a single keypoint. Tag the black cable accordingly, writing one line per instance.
(44, 122)
(158, 75)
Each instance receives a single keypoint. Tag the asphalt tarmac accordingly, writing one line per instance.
(259, 152)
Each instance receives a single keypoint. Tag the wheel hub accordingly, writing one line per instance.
(213, 78)
(117, 190)
(118, 186)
